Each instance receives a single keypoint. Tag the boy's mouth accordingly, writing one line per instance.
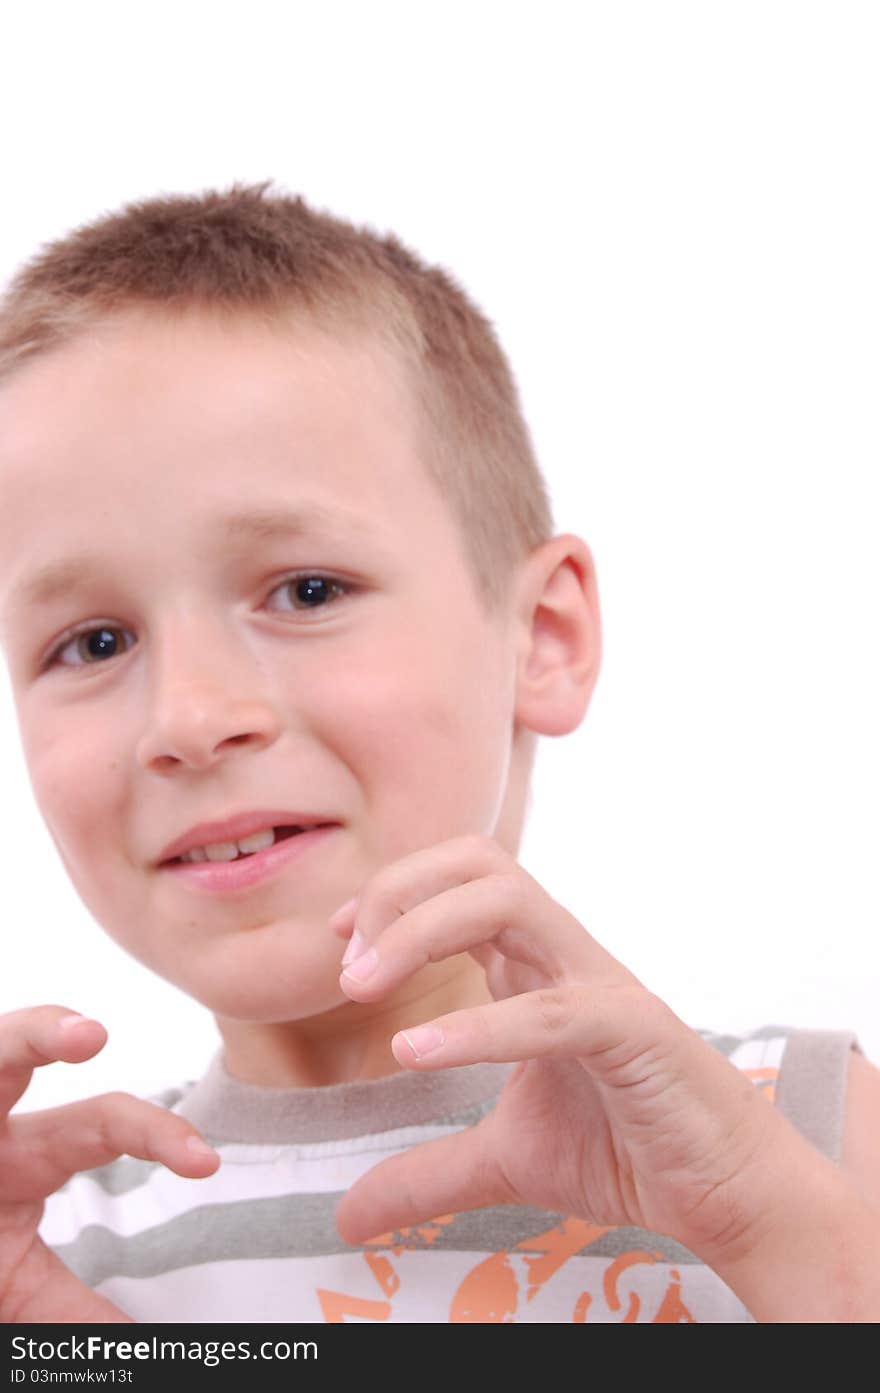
(235, 850)
(239, 836)
(231, 869)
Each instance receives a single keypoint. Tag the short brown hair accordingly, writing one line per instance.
(266, 253)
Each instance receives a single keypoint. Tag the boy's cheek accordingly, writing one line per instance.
(433, 759)
(79, 808)
(74, 771)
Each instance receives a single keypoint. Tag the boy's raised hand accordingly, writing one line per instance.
(40, 1151)
(617, 1112)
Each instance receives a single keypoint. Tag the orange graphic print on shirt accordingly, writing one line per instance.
(494, 1290)
(491, 1290)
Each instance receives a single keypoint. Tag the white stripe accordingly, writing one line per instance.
(246, 1172)
(759, 1054)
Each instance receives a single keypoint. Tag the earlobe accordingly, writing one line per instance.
(561, 637)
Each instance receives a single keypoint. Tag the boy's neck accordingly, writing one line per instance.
(351, 1042)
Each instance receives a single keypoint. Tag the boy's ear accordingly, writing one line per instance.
(560, 636)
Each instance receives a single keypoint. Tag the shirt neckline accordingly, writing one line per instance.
(229, 1109)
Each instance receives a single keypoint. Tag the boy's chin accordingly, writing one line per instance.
(279, 970)
(267, 999)
(248, 1010)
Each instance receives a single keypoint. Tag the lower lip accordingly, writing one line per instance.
(218, 877)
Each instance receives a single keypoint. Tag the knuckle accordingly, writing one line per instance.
(481, 1036)
(483, 850)
(627, 1024)
(556, 1008)
(617, 1004)
(508, 901)
(654, 1012)
(379, 891)
(511, 891)
(108, 1105)
(475, 844)
(490, 1170)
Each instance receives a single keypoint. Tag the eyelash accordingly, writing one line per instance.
(337, 586)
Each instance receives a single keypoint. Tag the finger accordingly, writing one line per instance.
(510, 911)
(452, 1173)
(435, 866)
(79, 1136)
(60, 1297)
(41, 1035)
(585, 1021)
(624, 1037)
(341, 922)
(406, 882)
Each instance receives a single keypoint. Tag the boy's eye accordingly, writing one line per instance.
(94, 643)
(89, 644)
(311, 589)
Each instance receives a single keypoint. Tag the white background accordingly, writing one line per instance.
(670, 211)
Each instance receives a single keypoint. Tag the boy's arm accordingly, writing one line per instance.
(820, 1259)
(860, 1154)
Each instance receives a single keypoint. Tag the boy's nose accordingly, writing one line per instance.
(199, 726)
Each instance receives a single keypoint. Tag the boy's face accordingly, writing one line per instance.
(219, 688)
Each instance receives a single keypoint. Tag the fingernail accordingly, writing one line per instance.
(363, 967)
(68, 1022)
(344, 909)
(199, 1147)
(354, 948)
(423, 1039)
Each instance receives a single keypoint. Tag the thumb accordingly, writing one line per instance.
(452, 1173)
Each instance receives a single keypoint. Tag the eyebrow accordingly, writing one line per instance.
(259, 525)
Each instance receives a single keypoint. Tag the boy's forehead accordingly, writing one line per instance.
(256, 430)
(136, 351)
(237, 370)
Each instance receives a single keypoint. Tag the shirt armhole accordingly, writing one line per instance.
(811, 1089)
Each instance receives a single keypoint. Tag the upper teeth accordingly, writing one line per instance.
(227, 851)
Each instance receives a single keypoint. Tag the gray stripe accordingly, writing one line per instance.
(126, 1174)
(301, 1226)
(170, 1096)
(811, 1090)
(117, 1177)
(624, 1240)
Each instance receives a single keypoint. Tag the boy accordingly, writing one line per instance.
(284, 615)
